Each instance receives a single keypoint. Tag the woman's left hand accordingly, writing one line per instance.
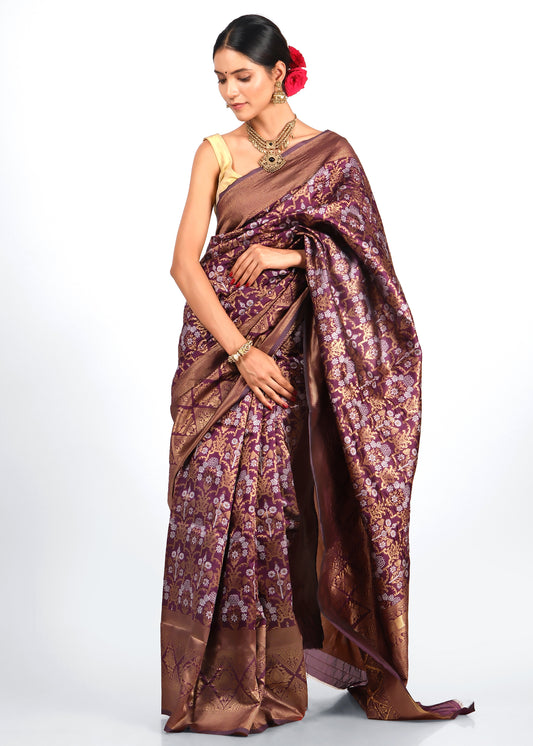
(257, 257)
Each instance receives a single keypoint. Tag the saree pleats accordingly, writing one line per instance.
(239, 666)
(288, 541)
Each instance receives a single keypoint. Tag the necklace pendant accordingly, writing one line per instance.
(271, 162)
(272, 159)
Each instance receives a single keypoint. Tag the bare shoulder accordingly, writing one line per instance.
(204, 174)
(204, 149)
(205, 158)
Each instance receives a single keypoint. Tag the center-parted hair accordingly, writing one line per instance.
(257, 38)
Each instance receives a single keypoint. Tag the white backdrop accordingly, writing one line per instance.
(103, 105)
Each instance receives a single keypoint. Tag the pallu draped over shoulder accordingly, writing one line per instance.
(288, 540)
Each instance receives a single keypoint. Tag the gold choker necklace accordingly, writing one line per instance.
(272, 160)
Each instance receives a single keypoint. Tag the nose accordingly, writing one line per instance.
(232, 89)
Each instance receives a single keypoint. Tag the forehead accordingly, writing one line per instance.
(228, 60)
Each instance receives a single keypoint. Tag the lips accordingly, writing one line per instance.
(237, 106)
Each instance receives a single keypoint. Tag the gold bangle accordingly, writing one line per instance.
(243, 349)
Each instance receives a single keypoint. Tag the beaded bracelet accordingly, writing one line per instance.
(240, 352)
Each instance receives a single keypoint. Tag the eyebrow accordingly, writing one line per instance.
(240, 70)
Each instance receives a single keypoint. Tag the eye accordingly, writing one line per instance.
(245, 80)
(221, 80)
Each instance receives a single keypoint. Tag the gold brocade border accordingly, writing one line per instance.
(228, 681)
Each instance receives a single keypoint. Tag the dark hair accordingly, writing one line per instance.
(257, 38)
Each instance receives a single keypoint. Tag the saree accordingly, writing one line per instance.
(288, 541)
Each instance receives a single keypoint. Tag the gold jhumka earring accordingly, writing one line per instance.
(279, 96)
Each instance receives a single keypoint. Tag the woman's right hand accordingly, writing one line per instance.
(265, 379)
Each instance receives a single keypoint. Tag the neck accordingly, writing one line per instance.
(271, 120)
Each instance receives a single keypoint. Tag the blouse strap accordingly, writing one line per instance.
(221, 151)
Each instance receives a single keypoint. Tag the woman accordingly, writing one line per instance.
(296, 409)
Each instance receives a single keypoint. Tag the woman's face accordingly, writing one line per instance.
(244, 84)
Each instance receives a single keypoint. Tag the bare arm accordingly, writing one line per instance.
(186, 268)
(258, 369)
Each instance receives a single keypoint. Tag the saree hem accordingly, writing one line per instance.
(237, 731)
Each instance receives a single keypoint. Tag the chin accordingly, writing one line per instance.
(243, 116)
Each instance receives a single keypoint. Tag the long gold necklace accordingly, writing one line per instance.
(272, 159)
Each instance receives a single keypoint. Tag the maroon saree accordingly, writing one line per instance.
(288, 540)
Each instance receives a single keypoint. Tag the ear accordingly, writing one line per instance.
(278, 71)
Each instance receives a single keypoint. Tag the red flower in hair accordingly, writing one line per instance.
(295, 81)
(297, 58)
(296, 76)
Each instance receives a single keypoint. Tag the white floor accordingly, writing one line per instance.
(129, 717)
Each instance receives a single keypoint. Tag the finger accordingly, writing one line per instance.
(243, 261)
(236, 271)
(274, 395)
(240, 275)
(254, 276)
(256, 271)
(236, 267)
(246, 275)
(262, 398)
(284, 386)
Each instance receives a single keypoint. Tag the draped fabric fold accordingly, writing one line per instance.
(288, 543)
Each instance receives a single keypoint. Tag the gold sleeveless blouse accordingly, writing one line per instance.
(227, 175)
